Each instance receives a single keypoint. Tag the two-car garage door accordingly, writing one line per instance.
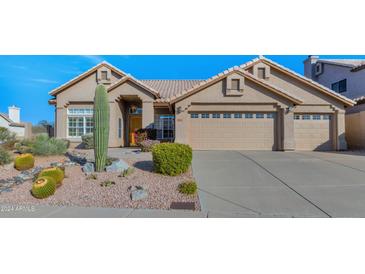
(233, 131)
(257, 131)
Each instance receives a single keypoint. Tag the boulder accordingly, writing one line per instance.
(139, 194)
(88, 168)
(117, 166)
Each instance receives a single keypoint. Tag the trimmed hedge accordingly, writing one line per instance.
(188, 187)
(171, 158)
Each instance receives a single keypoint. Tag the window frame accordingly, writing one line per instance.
(340, 86)
(227, 115)
(216, 115)
(237, 115)
(263, 70)
(248, 115)
(316, 117)
(80, 113)
(261, 115)
(205, 115)
(237, 82)
(194, 115)
(304, 116)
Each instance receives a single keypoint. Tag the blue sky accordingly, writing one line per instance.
(26, 80)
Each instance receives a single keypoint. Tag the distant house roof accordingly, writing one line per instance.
(355, 64)
(11, 122)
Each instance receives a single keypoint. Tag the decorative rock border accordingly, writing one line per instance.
(6, 185)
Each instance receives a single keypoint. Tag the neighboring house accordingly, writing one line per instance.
(259, 105)
(12, 122)
(345, 76)
(355, 124)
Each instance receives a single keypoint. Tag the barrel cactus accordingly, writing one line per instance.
(44, 187)
(55, 172)
(101, 127)
(24, 162)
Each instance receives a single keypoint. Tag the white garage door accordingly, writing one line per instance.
(313, 131)
(233, 131)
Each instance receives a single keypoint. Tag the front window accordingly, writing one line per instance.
(165, 127)
(80, 121)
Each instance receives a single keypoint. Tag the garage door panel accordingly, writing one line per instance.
(233, 133)
(313, 134)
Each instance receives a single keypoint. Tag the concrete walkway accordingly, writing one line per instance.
(280, 184)
(18, 211)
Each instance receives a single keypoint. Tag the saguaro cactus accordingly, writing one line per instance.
(101, 127)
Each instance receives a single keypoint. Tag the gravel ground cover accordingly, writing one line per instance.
(79, 190)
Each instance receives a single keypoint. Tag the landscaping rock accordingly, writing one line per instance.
(139, 194)
(7, 189)
(76, 157)
(117, 166)
(88, 168)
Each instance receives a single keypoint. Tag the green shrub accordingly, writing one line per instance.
(147, 145)
(22, 149)
(88, 141)
(43, 145)
(171, 158)
(188, 187)
(24, 162)
(7, 138)
(55, 172)
(4, 157)
(44, 187)
(127, 172)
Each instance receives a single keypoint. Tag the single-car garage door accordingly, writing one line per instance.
(233, 131)
(313, 131)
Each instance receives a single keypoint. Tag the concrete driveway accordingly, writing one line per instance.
(280, 184)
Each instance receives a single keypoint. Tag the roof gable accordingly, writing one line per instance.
(130, 78)
(86, 74)
(226, 73)
(301, 78)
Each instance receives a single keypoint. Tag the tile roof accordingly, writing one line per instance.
(326, 89)
(6, 117)
(169, 88)
(86, 73)
(344, 62)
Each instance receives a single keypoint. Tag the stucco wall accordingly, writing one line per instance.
(355, 127)
(19, 131)
(333, 73)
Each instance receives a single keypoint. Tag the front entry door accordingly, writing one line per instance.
(135, 123)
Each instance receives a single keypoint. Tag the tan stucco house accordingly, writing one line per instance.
(259, 105)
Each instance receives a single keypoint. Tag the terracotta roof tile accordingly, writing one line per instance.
(169, 88)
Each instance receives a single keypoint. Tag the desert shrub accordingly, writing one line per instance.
(188, 187)
(24, 162)
(44, 187)
(43, 145)
(145, 134)
(22, 149)
(171, 158)
(127, 172)
(55, 172)
(146, 145)
(68, 142)
(88, 141)
(4, 157)
(7, 138)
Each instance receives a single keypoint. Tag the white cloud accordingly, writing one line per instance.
(19, 67)
(43, 81)
(94, 58)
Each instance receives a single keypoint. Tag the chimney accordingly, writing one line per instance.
(14, 114)
(309, 64)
